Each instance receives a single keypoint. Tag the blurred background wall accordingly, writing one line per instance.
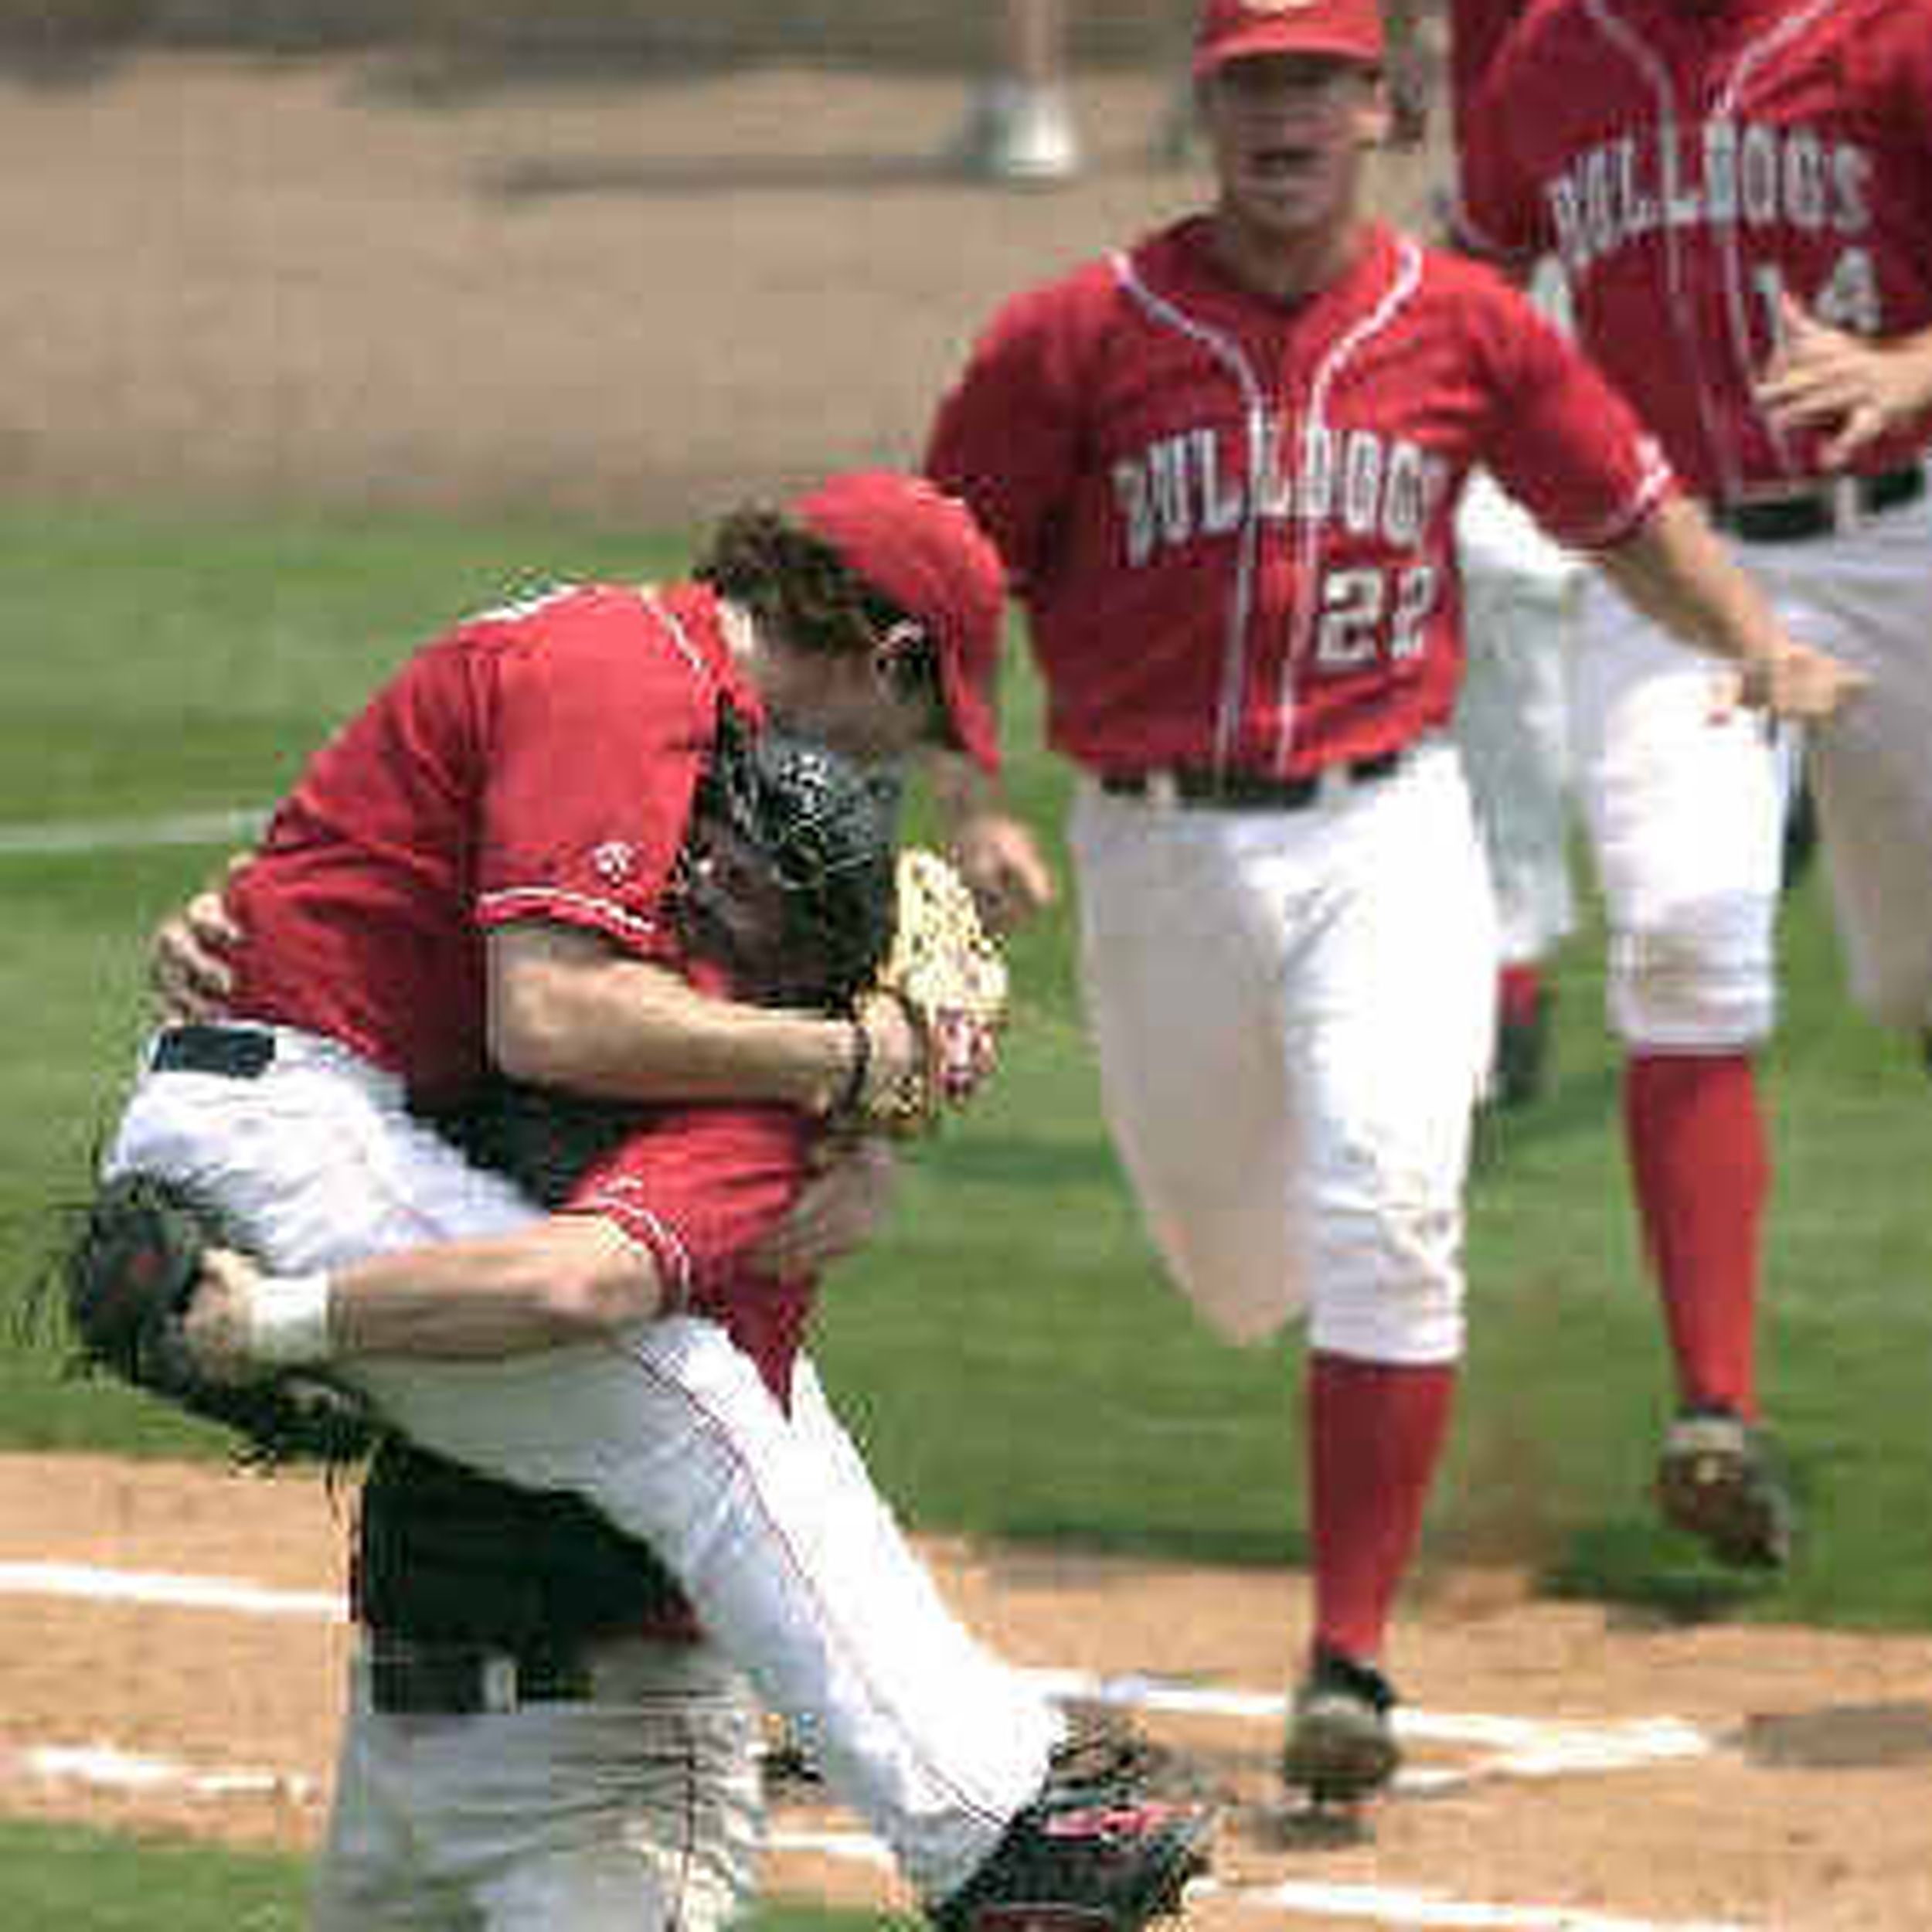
(935, 33)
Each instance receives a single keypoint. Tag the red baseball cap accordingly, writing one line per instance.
(923, 550)
(1234, 29)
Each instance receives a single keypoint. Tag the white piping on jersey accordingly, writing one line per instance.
(1308, 531)
(1627, 41)
(609, 914)
(505, 904)
(1773, 43)
(1657, 76)
(644, 1228)
(1310, 534)
(1228, 352)
(680, 637)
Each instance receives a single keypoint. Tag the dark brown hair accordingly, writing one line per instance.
(793, 581)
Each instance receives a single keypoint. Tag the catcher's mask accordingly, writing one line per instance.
(786, 879)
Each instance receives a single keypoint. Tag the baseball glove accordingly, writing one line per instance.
(791, 877)
(125, 1279)
(947, 972)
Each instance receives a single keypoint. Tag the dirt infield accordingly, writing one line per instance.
(335, 282)
(1564, 1772)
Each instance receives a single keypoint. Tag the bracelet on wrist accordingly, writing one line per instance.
(288, 1320)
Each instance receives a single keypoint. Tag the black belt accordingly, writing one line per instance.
(1243, 791)
(411, 1679)
(1820, 512)
(238, 1053)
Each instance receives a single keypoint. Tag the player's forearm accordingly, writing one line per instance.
(567, 1011)
(568, 1279)
(1674, 571)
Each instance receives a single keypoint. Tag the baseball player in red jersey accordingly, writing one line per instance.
(578, 1821)
(474, 870)
(1223, 467)
(1477, 29)
(1739, 193)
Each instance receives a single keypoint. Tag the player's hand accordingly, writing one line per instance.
(1827, 378)
(838, 1211)
(188, 970)
(1791, 681)
(1003, 869)
(216, 1327)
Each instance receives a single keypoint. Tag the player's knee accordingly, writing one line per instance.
(1392, 1290)
(1705, 980)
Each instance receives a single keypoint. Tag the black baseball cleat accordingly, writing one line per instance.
(1094, 1852)
(1719, 1478)
(1340, 1745)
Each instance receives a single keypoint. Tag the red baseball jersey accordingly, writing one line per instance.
(1691, 163)
(698, 1187)
(1231, 518)
(536, 763)
(1477, 30)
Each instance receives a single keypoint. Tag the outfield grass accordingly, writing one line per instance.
(1008, 1352)
(82, 1881)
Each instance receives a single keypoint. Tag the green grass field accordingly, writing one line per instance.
(82, 1881)
(1008, 1353)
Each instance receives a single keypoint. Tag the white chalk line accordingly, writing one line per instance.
(1517, 1746)
(106, 1767)
(1411, 1909)
(167, 1591)
(102, 1767)
(1506, 1747)
(236, 825)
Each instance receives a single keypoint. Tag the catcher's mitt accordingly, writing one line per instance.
(947, 972)
(125, 1280)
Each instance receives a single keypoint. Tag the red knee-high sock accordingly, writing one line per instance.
(1701, 1163)
(1519, 986)
(1376, 1430)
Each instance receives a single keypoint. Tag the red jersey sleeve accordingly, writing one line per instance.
(1476, 29)
(1561, 440)
(698, 1187)
(604, 706)
(1500, 212)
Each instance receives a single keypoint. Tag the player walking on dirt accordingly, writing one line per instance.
(1740, 194)
(1223, 466)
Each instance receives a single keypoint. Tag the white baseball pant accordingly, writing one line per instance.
(1293, 1013)
(767, 1518)
(1512, 726)
(1687, 815)
(638, 1810)
(1865, 596)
